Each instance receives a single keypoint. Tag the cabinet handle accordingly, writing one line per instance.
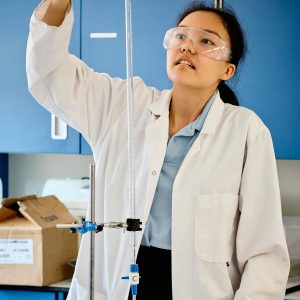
(59, 129)
(103, 35)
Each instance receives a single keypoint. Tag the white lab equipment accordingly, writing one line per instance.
(73, 192)
(292, 232)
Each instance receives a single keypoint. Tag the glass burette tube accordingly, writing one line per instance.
(130, 121)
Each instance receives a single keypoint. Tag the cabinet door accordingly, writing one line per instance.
(26, 295)
(105, 52)
(151, 19)
(149, 22)
(84, 146)
(103, 40)
(269, 81)
(108, 55)
(25, 125)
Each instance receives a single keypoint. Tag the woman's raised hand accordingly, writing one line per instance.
(56, 12)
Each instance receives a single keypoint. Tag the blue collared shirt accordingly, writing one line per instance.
(158, 227)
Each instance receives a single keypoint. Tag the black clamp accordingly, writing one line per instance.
(133, 224)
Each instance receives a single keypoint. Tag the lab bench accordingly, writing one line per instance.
(293, 288)
(293, 296)
(57, 291)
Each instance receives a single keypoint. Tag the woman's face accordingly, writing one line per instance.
(206, 72)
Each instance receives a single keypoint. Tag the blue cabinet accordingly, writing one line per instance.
(26, 295)
(32, 293)
(151, 19)
(269, 79)
(107, 55)
(267, 82)
(84, 146)
(149, 22)
(105, 52)
(25, 125)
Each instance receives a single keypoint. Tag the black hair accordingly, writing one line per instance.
(237, 41)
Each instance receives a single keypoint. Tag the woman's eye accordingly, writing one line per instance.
(207, 42)
(180, 36)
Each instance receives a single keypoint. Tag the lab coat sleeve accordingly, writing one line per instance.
(88, 101)
(261, 246)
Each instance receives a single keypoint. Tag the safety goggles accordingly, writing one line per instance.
(204, 43)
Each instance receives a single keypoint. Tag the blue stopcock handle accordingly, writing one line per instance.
(134, 278)
(87, 226)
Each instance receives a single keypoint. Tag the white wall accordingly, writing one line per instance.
(28, 173)
(289, 180)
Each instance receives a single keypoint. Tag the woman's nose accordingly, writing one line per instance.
(188, 46)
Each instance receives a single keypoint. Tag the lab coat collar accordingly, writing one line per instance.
(214, 116)
(161, 107)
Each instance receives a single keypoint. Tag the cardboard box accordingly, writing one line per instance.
(32, 250)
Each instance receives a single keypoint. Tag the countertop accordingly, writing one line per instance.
(61, 286)
(293, 283)
(64, 286)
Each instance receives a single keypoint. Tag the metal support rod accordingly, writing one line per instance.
(219, 4)
(92, 233)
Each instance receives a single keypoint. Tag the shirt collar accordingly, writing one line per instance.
(191, 128)
(200, 120)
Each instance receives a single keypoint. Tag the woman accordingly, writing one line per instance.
(206, 180)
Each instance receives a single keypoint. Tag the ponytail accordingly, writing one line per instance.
(227, 94)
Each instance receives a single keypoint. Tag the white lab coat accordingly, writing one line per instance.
(227, 234)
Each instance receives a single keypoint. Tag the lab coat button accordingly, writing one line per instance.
(153, 172)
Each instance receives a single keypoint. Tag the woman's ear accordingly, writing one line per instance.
(229, 71)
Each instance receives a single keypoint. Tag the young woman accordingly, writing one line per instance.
(206, 180)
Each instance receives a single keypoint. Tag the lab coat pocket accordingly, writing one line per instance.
(215, 226)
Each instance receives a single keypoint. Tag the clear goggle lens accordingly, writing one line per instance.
(204, 43)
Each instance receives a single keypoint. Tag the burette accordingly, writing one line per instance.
(130, 119)
(131, 224)
(134, 275)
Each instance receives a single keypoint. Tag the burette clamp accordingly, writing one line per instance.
(133, 225)
(83, 227)
(87, 226)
